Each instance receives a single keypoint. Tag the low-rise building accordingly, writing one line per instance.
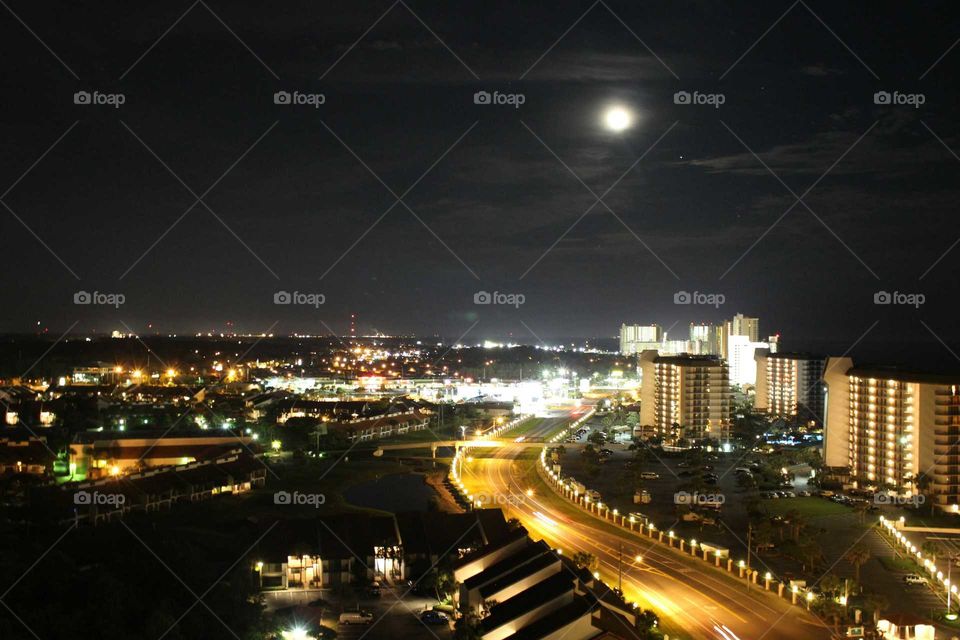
(96, 455)
(524, 590)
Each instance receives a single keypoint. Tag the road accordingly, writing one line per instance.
(689, 597)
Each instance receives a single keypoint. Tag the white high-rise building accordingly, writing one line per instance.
(704, 339)
(740, 356)
(634, 338)
(739, 325)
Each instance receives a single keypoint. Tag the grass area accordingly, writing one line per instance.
(808, 507)
(329, 478)
(524, 427)
(895, 563)
(426, 435)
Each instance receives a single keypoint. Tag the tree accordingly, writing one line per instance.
(585, 560)
(647, 623)
(467, 627)
(932, 549)
(857, 557)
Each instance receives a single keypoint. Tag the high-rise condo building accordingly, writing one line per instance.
(896, 431)
(790, 386)
(686, 396)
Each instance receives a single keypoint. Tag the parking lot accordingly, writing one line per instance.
(395, 613)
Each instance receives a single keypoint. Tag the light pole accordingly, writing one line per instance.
(950, 561)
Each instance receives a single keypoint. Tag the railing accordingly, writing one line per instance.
(631, 525)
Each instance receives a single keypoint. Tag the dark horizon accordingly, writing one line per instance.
(403, 195)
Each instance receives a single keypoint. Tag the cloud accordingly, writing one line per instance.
(820, 71)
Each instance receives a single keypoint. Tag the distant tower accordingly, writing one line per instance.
(353, 325)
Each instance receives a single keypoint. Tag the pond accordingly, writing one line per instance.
(394, 492)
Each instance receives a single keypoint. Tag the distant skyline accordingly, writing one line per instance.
(400, 198)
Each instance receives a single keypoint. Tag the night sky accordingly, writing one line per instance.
(486, 189)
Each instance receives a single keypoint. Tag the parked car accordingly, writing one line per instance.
(434, 617)
(650, 475)
(356, 617)
(914, 578)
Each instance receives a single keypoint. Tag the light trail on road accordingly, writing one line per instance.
(696, 600)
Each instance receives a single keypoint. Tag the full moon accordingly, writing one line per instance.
(617, 119)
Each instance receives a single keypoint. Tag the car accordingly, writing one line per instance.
(707, 467)
(356, 617)
(319, 602)
(683, 465)
(803, 494)
(686, 473)
(434, 617)
(913, 578)
(650, 475)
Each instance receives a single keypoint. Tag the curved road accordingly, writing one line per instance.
(697, 600)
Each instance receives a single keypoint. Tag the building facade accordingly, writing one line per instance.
(686, 396)
(634, 338)
(898, 432)
(790, 386)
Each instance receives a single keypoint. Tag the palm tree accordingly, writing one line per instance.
(857, 556)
